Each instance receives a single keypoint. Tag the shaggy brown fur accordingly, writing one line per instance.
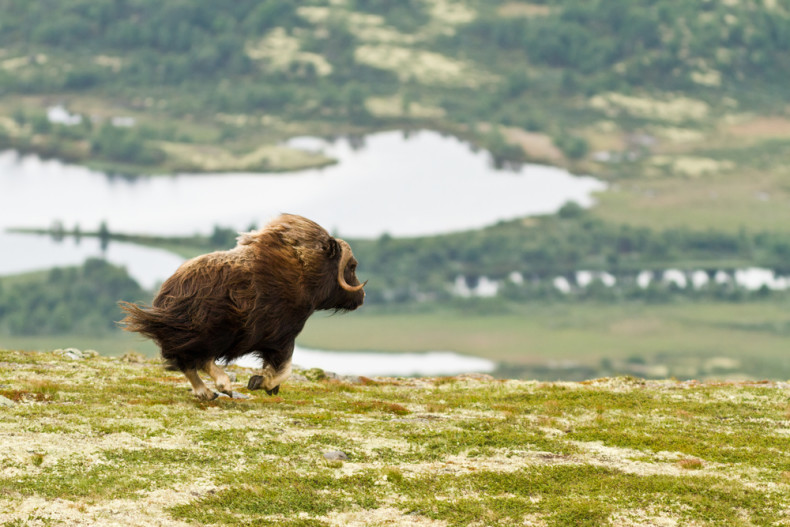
(254, 298)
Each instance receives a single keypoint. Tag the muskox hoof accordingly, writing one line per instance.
(255, 383)
(274, 391)
(208, 395)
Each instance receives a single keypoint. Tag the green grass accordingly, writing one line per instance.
(567, 491)
(87, 437)
(748, 198)
(114, 344)
(586, 333)
(23, 278)
(688, 339)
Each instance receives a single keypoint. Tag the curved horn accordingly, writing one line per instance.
(345, 256)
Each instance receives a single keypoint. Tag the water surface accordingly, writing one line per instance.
(22, 253)
(422, 184)
(384, 364)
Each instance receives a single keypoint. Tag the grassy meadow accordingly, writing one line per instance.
(571, 341)
(119, 441)
(577, 330)
(685, 339)
(112, 345)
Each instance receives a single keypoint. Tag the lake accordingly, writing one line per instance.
(384, 364)
(420, 184)
(30, 252)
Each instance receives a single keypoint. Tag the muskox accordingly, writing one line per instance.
(254, 298)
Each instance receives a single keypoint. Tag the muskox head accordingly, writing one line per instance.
(349, 293)
(328, 267)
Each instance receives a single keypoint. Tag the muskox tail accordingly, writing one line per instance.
(147, 322)
(151, 322)
(170, 329)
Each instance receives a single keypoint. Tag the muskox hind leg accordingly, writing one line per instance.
(271, 378)
(218, 375)
(200, 390)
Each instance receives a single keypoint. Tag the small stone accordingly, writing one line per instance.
(235, 395)
(5, 401)
(231, 376)
(351, 379)
(483, 377)
(314, 374)
(335, 455)
(69, 353)
(133, 357)
(76, 354)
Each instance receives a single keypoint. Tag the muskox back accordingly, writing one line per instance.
(255, 297)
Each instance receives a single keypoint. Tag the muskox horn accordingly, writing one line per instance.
(345, 256)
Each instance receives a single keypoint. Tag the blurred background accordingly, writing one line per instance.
(558, 189)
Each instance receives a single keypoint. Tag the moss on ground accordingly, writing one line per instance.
(101, 441)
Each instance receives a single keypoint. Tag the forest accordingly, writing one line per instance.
(601, 43)
(156, 58)
(80, 300)
(417, 273)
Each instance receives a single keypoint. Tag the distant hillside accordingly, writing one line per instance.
(687, 95)
(89, 440)
(541, 66)
(275, 56)
(76, 300)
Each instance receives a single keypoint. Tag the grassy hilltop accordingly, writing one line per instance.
(99, 441)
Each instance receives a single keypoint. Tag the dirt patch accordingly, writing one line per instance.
(450, 13)
(380, 516)
(41, 511)
(396, 106)
(642, 518)
(425, 67)
(637, 326)
(537, 146)
(678, 135)
(677, 109)
(761, 127)
(17, 63)
(691, 166)
(523, 9)
(278, 51)
(209, 158)
(625, 460)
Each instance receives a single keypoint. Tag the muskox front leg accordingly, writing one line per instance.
(270, 378)
(218, 375)
(200, 390)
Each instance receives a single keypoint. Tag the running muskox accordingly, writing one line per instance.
(254, 298)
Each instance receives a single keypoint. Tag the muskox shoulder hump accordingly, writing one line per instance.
(246, 238)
